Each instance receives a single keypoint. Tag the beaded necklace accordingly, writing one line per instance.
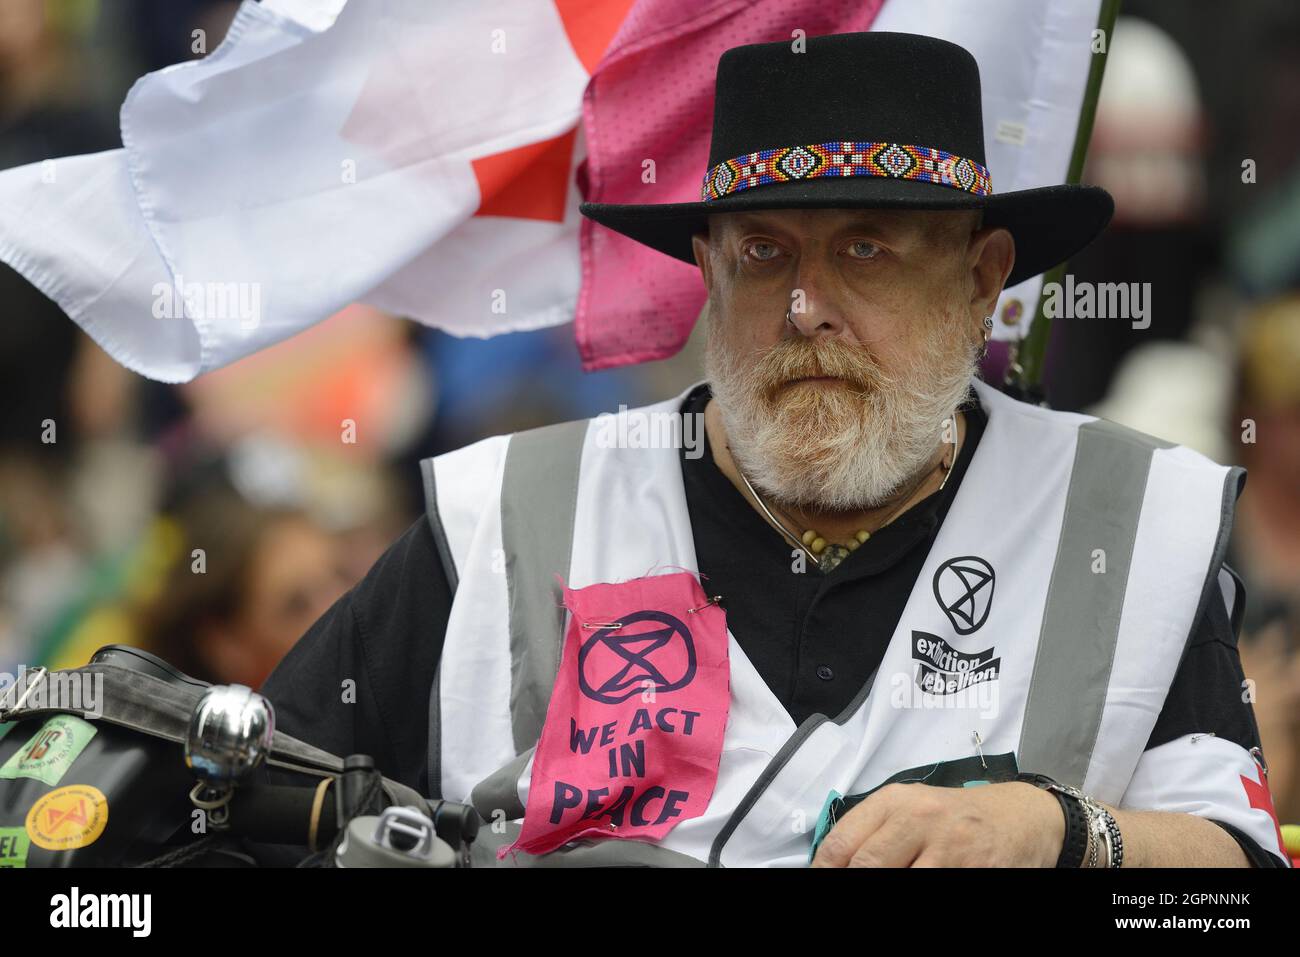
(827, 555)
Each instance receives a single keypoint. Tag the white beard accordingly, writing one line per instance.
(838, 446)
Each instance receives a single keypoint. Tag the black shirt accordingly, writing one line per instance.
(359, 680)
(816, 638)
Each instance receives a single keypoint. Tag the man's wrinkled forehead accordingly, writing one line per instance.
(823, 222)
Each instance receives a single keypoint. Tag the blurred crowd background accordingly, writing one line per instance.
(99, 527)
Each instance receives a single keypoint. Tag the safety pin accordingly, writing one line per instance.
(1258, 755)
(602, 624)
(979, 750)
(716, 599)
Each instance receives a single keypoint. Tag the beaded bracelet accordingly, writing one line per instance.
(1103, 831)
(1114, 842)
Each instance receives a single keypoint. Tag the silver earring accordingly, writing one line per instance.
(788, 318)
(988, 334)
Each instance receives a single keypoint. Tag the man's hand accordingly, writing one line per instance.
(917, 825)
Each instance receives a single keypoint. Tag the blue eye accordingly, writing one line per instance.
(872, 248)
(760, 245)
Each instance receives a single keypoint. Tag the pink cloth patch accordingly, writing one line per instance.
(651, 97)
(634, 727)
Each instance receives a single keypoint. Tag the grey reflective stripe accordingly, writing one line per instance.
(433, 765)
(435, 523)
(499, 791)
(539, 501)
(584, 853)
(1080, 630)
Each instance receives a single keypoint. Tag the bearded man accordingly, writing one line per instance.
(881, 584)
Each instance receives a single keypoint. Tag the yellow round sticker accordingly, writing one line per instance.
(68, 818)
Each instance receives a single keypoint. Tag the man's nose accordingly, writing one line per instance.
(814, 306)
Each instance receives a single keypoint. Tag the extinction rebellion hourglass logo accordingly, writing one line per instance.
(614, 667)
(963, 588)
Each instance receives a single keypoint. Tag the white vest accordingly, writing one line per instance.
(1103, 544)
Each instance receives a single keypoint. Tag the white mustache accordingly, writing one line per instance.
(836, 448)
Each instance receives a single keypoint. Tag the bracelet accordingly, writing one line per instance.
(1103, 834)
(1090, 829)
(1114, 842)
(1078, 831)
(1095, 830)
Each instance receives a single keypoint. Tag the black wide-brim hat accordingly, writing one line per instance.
(859, 120)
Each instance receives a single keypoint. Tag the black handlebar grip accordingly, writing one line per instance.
(281, 814)
(457, 824)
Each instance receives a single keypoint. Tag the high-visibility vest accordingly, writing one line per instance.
(1057, 597)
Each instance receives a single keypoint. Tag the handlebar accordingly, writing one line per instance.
(283, 814)
(226, 739)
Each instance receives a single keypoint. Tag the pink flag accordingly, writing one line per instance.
(651, 98)
(634, 728)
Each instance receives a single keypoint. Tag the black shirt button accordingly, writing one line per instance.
(825, 673)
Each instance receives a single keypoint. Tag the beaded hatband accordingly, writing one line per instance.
(846, 158)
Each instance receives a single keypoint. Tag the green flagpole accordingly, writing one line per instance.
(1025, 374)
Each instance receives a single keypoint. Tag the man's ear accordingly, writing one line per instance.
(700, 246)
(992, 256)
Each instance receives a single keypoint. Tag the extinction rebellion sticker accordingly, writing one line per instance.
(634, 727)
(942, 669)
(49, 753)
